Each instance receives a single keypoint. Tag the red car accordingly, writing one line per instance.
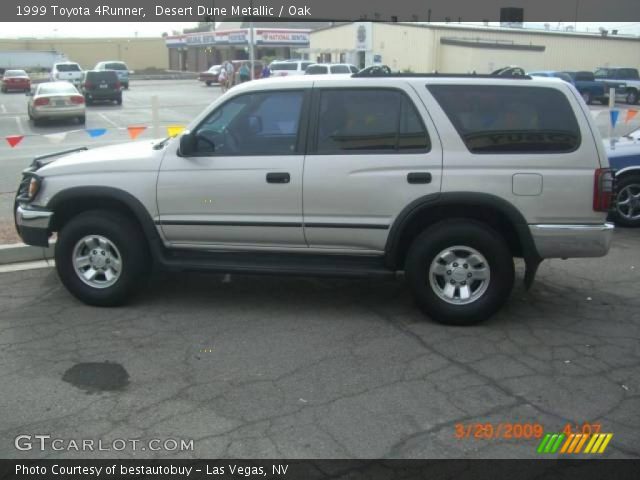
(210, 76)
(16, 80)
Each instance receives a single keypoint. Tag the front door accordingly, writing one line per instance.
(243, 184)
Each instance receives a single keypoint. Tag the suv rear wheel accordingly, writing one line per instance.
(101, 257)
(460, 271)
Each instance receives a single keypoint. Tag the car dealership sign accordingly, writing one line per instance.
(275, 36)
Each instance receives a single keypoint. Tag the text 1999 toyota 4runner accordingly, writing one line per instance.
(446, 178)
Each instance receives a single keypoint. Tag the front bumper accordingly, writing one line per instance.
(33, 225)
(568, 241)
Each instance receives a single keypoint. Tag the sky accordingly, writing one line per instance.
(155, 29)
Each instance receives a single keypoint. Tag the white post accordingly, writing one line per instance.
(251, 52)
(155, 116)
(612, 104)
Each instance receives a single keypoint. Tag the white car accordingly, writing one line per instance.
(67, 71)
(331, 69)
(287, 68)
(55, 101)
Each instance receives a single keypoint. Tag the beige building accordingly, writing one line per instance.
(137, 53)
(453, 48)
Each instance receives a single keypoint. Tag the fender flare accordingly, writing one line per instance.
(141, 214)
(444, 199)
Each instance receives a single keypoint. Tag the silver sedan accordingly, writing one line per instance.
(55, 100)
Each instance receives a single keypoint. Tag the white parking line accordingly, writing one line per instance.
(19, 123)
(108, 120)
(3, 108)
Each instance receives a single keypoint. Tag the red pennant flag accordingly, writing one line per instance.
(630, 114)
(135, 131)
(14, 140)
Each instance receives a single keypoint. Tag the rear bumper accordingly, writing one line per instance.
(568, 241)
(98, 95)
(61, 112)
(33, 225)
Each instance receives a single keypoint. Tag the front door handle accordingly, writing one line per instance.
(278, 177)
(419, 177)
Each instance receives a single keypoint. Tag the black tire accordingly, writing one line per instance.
(623, 183)
(119, 100)
(129, 241)
(452, 233)
(36, 121)
(88, 101)
(208, 84)
(632, 97)
(4, 90)
(82, 119)
(587, 97)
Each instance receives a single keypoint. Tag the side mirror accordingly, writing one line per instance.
(187, 144)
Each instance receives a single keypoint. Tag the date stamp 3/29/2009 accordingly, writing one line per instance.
(573, 439)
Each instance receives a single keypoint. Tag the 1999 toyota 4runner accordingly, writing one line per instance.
(446, 178)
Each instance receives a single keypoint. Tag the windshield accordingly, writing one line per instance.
(15, 73)
(56, 88)
(68, 67)
(116, 66)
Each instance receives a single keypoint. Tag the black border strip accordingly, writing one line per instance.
(367, 226)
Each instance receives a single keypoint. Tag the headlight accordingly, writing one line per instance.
(34, 187)
(29, 187)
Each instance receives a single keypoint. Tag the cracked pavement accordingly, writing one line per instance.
(266, 367)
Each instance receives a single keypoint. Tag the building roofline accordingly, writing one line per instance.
(482, 28)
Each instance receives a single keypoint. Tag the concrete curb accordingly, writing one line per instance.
(19, 252)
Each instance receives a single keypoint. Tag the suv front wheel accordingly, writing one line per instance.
(101, 257)
(460, 271)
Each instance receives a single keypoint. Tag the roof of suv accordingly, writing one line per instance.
(390, 80)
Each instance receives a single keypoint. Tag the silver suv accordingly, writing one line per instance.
(446, 179)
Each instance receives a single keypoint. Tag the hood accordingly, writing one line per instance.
(624, 152)
(123, 157)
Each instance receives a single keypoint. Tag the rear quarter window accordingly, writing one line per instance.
(508, 119)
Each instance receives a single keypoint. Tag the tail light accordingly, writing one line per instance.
(117, 84)
(38, 102)
(77, 100)
(603, 189)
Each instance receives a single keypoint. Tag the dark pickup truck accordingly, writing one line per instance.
(592, 89)
(626, 75)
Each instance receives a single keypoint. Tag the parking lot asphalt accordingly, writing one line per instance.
(179, 102)
(266, 367)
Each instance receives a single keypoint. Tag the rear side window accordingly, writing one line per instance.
(316, 70)
(585, 76)
(340, 69)
(284, 66)
(369, 121)
(506, 119)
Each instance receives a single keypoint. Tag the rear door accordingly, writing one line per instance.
(372, 152)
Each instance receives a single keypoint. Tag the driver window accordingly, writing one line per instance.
(264, 123)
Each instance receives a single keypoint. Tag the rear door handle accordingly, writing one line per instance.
(419, 177)
(278, 177)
